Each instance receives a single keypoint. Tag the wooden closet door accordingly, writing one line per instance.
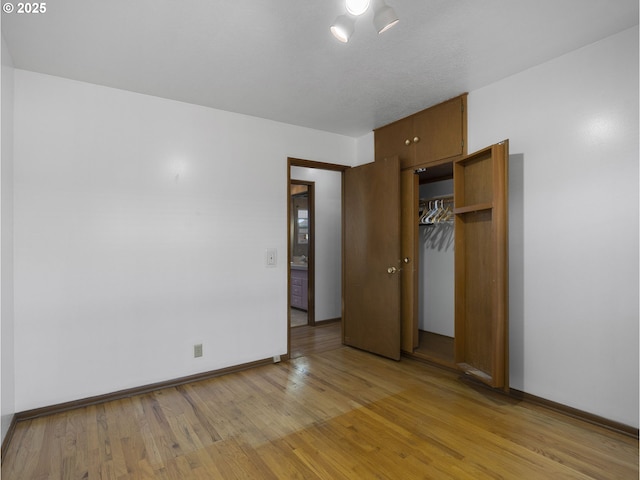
(410, 268)
(371, 311)
(481, 250)
(395, 140)
(442, 131)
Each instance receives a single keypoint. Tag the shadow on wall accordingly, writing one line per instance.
(438, 236)
(516, 269)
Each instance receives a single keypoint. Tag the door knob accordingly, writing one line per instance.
(392, 270)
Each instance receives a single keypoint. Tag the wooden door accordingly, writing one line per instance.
(481, 324)
(410, 269)
(441, 131)
(395, 140)
(372, 263)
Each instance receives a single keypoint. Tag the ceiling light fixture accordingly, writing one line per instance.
(383, 19)
(343, 28)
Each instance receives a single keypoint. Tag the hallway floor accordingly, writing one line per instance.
(298, 317)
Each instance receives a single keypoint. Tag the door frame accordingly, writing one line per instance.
(311, 257)
(299, 162)
(413, 178)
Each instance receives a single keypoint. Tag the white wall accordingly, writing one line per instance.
(572, 124)
(436, 277)
(328, 241)
(140, 229)
(7, 385)
(366, 149)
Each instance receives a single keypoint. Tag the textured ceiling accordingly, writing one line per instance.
(278, 60)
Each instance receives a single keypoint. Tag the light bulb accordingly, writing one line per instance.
(357, 7)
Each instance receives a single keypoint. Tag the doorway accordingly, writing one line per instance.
(301, 265)
(436, 273)
(324, 183)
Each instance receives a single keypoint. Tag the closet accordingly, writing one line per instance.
(473, 274)
(435, 265)
(428, 277)
(450, 267)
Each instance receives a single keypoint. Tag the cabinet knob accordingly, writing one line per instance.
(406, 260)
(407, 142)
(416, 139)
(392, 270)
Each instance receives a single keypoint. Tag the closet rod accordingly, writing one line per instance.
(431, 213)
(433, 199)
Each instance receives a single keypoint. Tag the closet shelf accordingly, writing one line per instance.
(478, 207)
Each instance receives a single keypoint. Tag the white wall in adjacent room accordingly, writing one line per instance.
(328, 241)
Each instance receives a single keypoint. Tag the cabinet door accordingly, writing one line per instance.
(481, 324)
(395, 139)
(440, 131)
(410, 268)
(371, 246)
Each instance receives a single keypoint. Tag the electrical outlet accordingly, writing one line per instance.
(197, 350)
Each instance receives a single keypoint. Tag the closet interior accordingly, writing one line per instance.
(435, 266)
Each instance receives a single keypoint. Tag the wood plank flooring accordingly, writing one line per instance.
(306, 340)
(437, 346)
(336, 414)
(298, 317)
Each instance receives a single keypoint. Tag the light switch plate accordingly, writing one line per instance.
(271, 257)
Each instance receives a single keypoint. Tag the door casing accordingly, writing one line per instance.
(299, 162)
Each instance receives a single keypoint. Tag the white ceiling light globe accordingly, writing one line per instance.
(357, 7)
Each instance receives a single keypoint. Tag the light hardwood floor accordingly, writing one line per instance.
(306, 340)
(298, 317)
(337, 413)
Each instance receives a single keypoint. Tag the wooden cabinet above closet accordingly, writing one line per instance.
(426, 137)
